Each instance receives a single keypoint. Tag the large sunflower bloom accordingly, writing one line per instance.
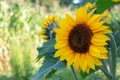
(47, 28)
(82, 41)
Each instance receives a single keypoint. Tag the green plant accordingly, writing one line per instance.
(18, 30)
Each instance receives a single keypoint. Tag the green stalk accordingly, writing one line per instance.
(112, 56)
(118, 51)
(74, 73)
(105, 70)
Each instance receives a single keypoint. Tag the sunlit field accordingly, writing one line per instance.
(20, 25)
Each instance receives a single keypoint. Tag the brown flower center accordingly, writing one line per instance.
(79, 38)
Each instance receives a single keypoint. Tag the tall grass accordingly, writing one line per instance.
(20, 33)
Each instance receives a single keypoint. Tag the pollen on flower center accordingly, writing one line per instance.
(79, 38)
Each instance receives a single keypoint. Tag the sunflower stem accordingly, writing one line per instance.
(118, 51)
(74, 73)
(112, 56)
(105, 70)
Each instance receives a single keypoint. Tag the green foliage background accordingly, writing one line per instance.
(20, 22)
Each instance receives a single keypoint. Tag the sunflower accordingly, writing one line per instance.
(116, 0)
(47, 28)
(82, 41)
(106, 17)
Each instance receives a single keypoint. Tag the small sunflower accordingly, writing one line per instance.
(47, 28)
(106, 17)
(116, 0)
(82, 41)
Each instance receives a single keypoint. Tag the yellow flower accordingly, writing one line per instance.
(82, 41)
(106, 16)
(47, 28)
(116, 0)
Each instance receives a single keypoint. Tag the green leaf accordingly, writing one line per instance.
(47, 49)
(50, 73)
(48, 66)
(106, 5)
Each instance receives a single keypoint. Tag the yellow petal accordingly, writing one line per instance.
(98, 62)
(93, 50)
(45, 23)
(64, 25)
(61, 38)
(81, 15)
(60, 44)
(88, 69)
(116, 0)
(42, 33)
(104, 31)
(101, 36)
(106, 16)
(98, 42)
(96, 25)
(58, 53)
(61, 34)
(90, 14)
(103, 56)
(44, 37)
(55, 17)
(94, 19)
(83, 63)
(102, 49)
(77, 61)
(90, 61)
(61, 51)
(70, 59)
(100, 29)
(99, 39)
(89, 5)
(66, 54)
(70, 20)
(43, 27)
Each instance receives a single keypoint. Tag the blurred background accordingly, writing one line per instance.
(20, 22)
